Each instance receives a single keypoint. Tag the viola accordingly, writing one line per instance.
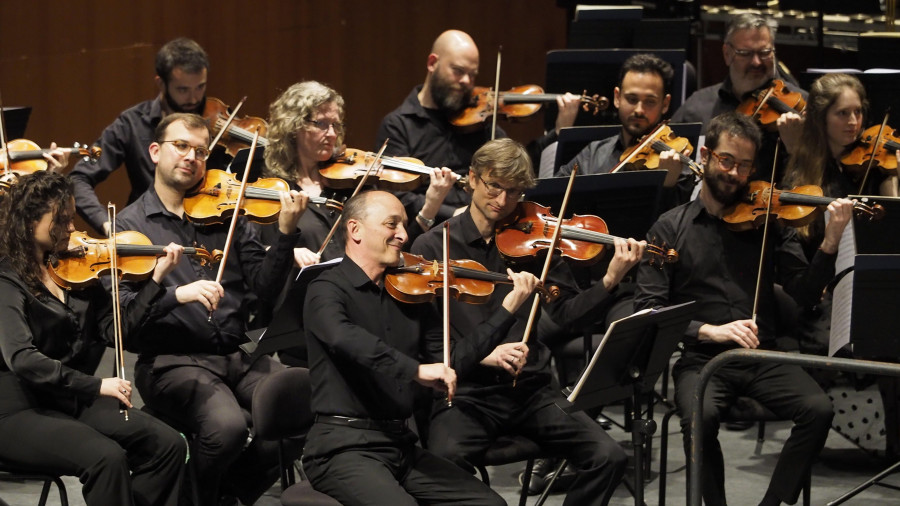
(645, 154)
(392, 173)
(87, 258)
(215, 198)
(768, 104)
(518, 103)
(797, 207)
(240, 131)
(417, 280)
(582, 239)
(882, 153)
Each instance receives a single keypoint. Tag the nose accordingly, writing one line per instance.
(191, 154)
(401, 234)
(466, 78)
(639, 108)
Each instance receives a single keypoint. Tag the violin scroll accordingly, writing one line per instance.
(660, 254)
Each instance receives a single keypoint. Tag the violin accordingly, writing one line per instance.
(86, 258)
(883, 153)
(417, 280)
(392, 173)
(214, 199)
(240, 130)
(797, 207)
(26, 156)
(582, 239)
(645, 154)
(518, 103)
(768, 104)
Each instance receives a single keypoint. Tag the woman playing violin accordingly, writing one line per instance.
(306, 130)
(54, 413)
(835, 117)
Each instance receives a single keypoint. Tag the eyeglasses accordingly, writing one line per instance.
(323, 125)
(763, 54)
(494, 190)
(184, 147)
(728, 163)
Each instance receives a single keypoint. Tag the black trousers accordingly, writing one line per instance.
(208, 396)
(139, 461)
(369, 467)
(786, 390)
(463, 432)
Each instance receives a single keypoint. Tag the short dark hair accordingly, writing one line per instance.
(192, 121)
(355, 208)
(734, 124)
(647, 62)
(181, 52)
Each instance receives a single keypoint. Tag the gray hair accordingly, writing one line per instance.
(751, 20)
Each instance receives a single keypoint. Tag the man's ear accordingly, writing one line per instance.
(154, 151)
(666, 102)
(431, 63)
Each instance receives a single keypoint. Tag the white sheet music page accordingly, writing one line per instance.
(842, 298)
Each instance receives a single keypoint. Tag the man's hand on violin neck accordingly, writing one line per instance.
(293, 204)
(524, 285)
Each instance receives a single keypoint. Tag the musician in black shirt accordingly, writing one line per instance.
(364, 355)
(487, 404)
(718, 267)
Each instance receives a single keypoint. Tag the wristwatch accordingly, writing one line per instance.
(429, 222)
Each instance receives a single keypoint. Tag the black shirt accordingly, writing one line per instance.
(718, 268)
(572, 309)
(126, 141)
(56, 346)
(184, 328)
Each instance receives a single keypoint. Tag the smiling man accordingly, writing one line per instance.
(181, 73)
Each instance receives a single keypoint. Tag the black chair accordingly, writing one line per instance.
(282, 410)
(744, 409)
(16, 473)
(509, 449)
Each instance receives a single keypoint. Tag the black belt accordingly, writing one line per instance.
(364, 423)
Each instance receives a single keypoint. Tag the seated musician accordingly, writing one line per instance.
(642, 99)
(365, 367)
(749, 53)
(834, 121)
(189, 367)
(725, 294)
(420, 127)
(181, 70)
(487, 404)
(55, 415)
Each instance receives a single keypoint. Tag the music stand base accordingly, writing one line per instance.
(875, 480)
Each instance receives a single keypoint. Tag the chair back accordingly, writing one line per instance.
(282, 405)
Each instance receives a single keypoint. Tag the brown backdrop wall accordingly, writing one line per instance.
(80, 63)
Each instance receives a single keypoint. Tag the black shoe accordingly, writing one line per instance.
(539, 475)
(737, 426)
(564, 481)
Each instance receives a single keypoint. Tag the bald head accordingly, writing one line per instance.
(452, 68)
(374, 231)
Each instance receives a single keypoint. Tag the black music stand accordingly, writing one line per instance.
(15, 119)
(631, 357)
(286, 328)
(239, 163)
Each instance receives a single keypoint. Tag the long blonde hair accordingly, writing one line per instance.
(287, 114)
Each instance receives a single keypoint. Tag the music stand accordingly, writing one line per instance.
(15, 119)
(239, 163)
(286, 328)
(572, 140)
(631, 357)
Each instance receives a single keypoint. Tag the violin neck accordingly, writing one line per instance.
(893, 146)
(415, 168)
(243, 134)
(804, 200)
(148, 250)
(528, 98)
(496, 277)
(580, 234)
(34, 154)
(778, 105)
(252, 192)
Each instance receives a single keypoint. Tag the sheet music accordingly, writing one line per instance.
(841, 306)
(319, 265)
(846, 255)
(609, 332)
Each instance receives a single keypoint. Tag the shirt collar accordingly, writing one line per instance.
(469, 232)
(155, 114)
(411, 106)
(153, 205)
(354, 273)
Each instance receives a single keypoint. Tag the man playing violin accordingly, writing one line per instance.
(725, 294)
(642, 99)
(749, 53)
(181, 69)
(365, 350)
(487, 404)
(190, 369)
(420, 127)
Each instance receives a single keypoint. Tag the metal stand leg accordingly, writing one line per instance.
(868, 483)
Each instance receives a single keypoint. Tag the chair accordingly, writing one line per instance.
(508, 449)
(11, 472)
(281, 409)
(744, 409)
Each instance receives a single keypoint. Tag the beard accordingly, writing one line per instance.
(715, 181)
(447, 97)
(174, 107)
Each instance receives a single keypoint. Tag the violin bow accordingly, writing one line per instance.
(557, 232)
(496, 95)
(114, 292)
(446, 302)
(862, 183)
(3, 144)
(227, 124)
(648, 139)
(762, 253)
(237, 212)
(359, 187)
